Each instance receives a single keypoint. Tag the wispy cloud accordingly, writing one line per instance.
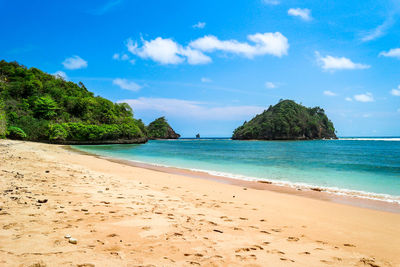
(106, 7)
(127, 84)
(338, 63)
(303, 13)
(349, 99)
(205, 80)
(193, 109)
(122, 57)
(329, 93)
(271, 2)
(74, 62)
(388, 22)
(271, 85)
(395, 52)
(199, 25)
(396, 92)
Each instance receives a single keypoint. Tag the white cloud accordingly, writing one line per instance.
(205, 80)
(192, 109)
(329, 93)
(270, 85)
(60, 74)
(199, 25)
(338, 63)
(166, 51)
(126, 84)
(367, 97)
(116, 56)
(271, 2)
(303, 13)
(348, 99)
(396, 92)
(395, 52)
(398, 110)
(194, 57)
(74, 62)
(264, 43)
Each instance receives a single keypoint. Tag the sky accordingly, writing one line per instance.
(208, 66)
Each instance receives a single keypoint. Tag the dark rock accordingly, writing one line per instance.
(42, 200)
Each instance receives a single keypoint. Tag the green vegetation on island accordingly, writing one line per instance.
(287, 120)
(160, 129)
(37, 106)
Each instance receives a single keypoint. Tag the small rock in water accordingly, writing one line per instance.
(42, 200)
(67, 236)
(73, 241)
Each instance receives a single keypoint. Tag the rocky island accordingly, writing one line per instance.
(160, 129)
(287, 120)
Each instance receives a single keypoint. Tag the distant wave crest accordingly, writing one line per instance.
(393, 139)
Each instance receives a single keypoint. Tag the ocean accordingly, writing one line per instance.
(360, 167)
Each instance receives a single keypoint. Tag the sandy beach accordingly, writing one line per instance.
(123, 215)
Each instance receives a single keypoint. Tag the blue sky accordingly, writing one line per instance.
(209, 65)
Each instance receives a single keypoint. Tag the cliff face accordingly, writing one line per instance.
(160, 129)
(287, 120)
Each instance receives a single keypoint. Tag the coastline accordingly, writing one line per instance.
(348, 197)
(123, 215)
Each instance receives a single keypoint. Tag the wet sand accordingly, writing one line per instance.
(123, 215)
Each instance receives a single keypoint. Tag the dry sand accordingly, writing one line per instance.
(129, 216)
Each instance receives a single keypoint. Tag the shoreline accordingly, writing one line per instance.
(121, 215)
(314, 192)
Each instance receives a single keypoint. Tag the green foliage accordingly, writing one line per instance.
(287, 120)
(3, 121)
(16, 133)
(47, 108)
(76, 131)
(160, 129)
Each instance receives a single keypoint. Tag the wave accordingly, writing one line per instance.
(302, 186)
(393, 139)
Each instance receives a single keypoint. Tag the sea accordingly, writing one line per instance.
(363, 167)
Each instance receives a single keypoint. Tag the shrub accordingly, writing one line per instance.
(57, 133)
(15, 133)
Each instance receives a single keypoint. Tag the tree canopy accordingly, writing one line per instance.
(287, 120)
(41, 107)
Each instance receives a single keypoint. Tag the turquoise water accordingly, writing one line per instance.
(362, 167)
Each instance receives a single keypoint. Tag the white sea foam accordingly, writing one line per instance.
(393, 139)
(302, 186)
